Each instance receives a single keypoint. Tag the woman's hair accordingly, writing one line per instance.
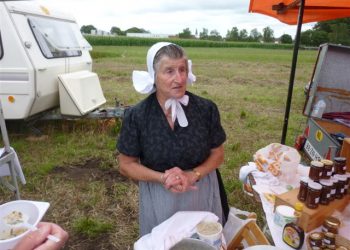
(172, 51)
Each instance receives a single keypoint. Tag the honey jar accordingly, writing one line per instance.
(340, 186)
(313, 194)
(316, 239)
(329, 239)
(326, 191)
(327, 169)
(334, 188)
(303, 188)
(316, 170)
(331, 224)
(347, 183)
(339, 165)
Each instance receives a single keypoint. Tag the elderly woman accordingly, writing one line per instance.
(172, 142)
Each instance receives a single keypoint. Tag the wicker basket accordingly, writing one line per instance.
(339, 241)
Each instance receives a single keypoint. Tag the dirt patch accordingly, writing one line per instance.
(99, 193)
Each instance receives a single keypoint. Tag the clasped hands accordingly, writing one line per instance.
(178, 181)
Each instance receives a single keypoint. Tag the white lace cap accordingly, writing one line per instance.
(143, 81)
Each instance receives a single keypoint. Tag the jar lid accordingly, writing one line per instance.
(339, 159)
(306, 179)
(314, 185)
(326, 183)
(285, 211)
(316, 236)
(298, 206)
(316, 164)
(329, 235)
(327, 162)
(340, 177)
(332, 221)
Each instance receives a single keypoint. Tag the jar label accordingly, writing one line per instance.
(320, 174)
(329, 173)
(317, 200)
(326, 241)
(342, 190)
(291, 237)
(328, 195)
(333, 191)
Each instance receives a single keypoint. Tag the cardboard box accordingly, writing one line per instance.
(312, 218)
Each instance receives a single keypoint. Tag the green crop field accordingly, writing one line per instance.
(72, 165)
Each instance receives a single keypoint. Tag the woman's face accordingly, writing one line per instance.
(171, 78)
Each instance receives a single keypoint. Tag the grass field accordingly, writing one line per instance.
(72, 164)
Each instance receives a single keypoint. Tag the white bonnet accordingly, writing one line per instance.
(143, 81)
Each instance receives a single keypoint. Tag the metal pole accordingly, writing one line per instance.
(292, 71)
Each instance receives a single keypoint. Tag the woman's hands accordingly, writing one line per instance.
(179, 181)
(38, 239)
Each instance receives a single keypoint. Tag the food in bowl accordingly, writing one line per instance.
(15, 217)
(12, 232)
(208, 228)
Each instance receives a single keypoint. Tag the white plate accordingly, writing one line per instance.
(35, 211)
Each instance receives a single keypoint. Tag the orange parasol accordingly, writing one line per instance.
(298, 12)
(314, 11)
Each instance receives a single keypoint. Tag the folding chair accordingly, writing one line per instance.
(9, 164)
(242, 231)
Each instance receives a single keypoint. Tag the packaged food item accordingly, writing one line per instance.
(316, 170)
(327, 169)
(293, 235)
(331, 224)
(313, 194)
(339, 165)
(303, 188)
(316, 239)
(326, 191)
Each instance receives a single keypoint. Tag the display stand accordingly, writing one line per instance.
(7, 159)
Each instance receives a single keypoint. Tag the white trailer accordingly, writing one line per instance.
(44, 63)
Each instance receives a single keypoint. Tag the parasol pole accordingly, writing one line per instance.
(292, 71)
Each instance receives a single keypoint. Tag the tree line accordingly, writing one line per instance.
(334, 31)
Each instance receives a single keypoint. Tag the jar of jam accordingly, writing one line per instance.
(329, 239)
(334, 188)
(303, 188)
(331, 224)
(327, 169)
(316, 170)
(316, 239)
(326, 191)
(347, 183)
(339, 165)
(340, 191)
(313, 194)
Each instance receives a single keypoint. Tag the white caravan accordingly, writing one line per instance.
(44, 63)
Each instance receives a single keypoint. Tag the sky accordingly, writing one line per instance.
(170, 16)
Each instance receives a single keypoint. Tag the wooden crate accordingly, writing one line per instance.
(311, 218)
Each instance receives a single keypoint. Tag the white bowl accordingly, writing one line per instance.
(34, 210)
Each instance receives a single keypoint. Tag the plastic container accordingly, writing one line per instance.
(319, 109)
(210, 232)
(283, 215)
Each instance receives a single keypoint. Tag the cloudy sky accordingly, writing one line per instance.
(170, 16)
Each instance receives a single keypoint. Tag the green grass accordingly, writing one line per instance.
(249, 86)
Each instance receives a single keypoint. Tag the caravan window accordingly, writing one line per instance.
(56, 38)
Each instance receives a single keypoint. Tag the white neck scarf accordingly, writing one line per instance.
(177, 110)
(143, 81)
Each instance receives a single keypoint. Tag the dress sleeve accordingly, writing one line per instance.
(128, 142)
(217, 133)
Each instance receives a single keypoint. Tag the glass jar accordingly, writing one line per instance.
(334, 188)
(327, 169)
(329, 239)
(313, 194)
(331, 224)
(340, 191)
(316, 239)
(326, 191)
(303, 188)
(347, 183)
(316, 170)
(339, 165)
